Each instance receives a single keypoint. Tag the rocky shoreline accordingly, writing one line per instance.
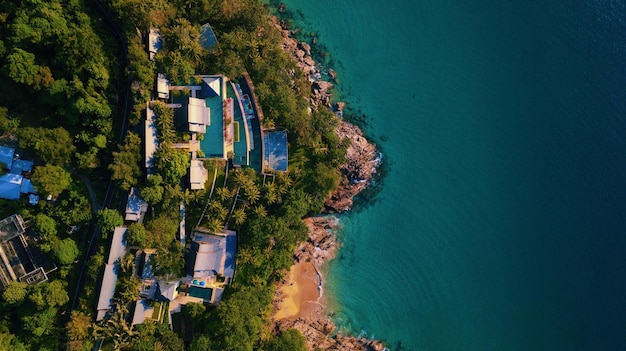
(321, 246)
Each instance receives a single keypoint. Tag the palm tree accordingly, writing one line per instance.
(223, 193)
(267, 251)
(127, 263)
(271, 193)
(158, 346)
(285, 183)
(241, 178)
(239, 216)
(116, 328)
(257, 281)
(247, 256)
(217, 210)
(215, 225)
(129, 289)
(252, 193)
(188, 196)
(260, 211)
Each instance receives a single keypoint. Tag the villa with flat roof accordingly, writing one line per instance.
(155, 43)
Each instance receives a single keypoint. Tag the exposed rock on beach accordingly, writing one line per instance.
(299, 302)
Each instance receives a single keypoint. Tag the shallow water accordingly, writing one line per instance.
(500, 222)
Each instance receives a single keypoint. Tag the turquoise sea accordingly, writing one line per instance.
(501, 221)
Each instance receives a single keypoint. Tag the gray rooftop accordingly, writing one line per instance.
(11, 227)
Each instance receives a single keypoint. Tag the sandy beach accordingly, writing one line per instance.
(300, 295)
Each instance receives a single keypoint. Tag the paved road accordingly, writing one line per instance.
(95, 206)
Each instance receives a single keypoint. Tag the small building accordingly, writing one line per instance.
(155, 43)
(13, 184)
(21, 167)
(11, 227)
(111, 269)
(143, 310)
(146, 273)
(10, 186)
(136, 207)
(198, 175)
(163, 86)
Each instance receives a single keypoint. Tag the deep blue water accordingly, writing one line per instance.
(501, 221)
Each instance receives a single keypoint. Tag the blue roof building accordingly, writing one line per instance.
(19, 166)
(10, 186)
(6, 156)
(275, 157)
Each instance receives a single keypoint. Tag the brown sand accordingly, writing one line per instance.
(300, 295)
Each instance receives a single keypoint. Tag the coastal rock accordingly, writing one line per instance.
(340, 106)
(305, 47)
(321, 86)
(320, 93)
(357, 172)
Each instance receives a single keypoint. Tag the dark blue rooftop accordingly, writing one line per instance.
(231, 251)
(207, 37)
(275, 157)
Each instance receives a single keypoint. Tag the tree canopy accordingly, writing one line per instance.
(51, 145)
(136, 234)
(172, 163)
(290, 339)
(65, 251)
(51, 179)
(125, 165)
(108, 219)
(46, 227)
(15, 292)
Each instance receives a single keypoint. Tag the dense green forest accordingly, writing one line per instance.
(63, 72)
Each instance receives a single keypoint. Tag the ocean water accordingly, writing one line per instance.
(501, 221)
